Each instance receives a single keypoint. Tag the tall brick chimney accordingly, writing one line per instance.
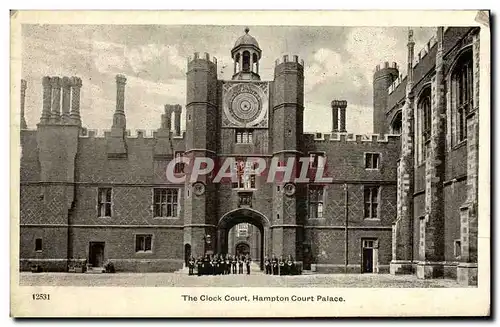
(177, 119)
(167, 117)
(55, 115)
(119, 120)
(23, 96)
(76, 84)
(66, 98)
(339, 109)
(47, 97)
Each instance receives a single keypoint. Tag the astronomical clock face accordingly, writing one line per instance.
(245, 104)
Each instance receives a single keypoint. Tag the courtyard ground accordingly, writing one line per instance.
(256, 279)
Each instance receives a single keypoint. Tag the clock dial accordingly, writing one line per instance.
(245, 105)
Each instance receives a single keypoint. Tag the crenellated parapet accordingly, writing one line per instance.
(354, 138)
(289, 59)
(201, 60)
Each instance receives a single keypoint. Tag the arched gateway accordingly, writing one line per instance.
(243, 215)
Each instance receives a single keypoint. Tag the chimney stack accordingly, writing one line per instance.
(119, 120)
(167, 118)
(47, 97)
(23, 95)
(66, 98)
(177, 119)
(335, 116)
(339, 109)
(76, 84)
(55, 115)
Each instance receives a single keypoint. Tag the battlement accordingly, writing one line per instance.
(205, 56)
(289, 58)
(425, 50)
(130, 134)
(351, 137)
(386, 65)
(396, 83)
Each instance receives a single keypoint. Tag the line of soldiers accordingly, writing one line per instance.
(275, 266)
(219, 264)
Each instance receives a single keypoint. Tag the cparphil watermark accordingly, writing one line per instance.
(240, 170)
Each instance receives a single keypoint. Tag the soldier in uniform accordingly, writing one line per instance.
(282, 266)
(290, 265)
(234, 263)
(275, 267)
(199, 266)
(218, 265)
(248, 261)
(213, 265)
(267, 265)
(191, 263)
(240, 264)
(227, 266)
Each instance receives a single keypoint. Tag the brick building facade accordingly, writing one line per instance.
(106, 197)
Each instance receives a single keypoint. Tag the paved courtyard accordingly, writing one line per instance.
(257, 279)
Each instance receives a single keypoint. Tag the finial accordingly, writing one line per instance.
(247, 30)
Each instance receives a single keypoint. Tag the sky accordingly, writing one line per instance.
(339, 64)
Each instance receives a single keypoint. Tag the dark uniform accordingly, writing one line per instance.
(218, 266)
(213, 265)
(248, 261)
(227, 266)
(199, 266)
(234, 263)
(290, 266)
(275, 267)
(282, 267)
(267, 265)
(240, 265)
(191, 266)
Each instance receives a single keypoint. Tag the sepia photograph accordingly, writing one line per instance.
(248, 163)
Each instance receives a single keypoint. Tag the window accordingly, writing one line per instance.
(246, 175)
(143, 243)
(316, 195)
(38, 245)
(461, 95)
(104, 202)
(457, 249)
(242, 230)
(371, 202)
(397, 124)
(317, 160)
(244, 136)
(372, 160)
(165, 202)
(179, 167)
(424, 125)
(368, 244)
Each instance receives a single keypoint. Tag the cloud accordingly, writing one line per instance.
(326, 63)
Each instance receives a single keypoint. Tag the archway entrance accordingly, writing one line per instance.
(242, 248)
(244, 215)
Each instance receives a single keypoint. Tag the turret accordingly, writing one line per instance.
(246, 54)
(201, 142)
(383, 77)
(288, 119)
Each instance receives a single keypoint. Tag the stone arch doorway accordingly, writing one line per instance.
(244, 215)
(242, 248)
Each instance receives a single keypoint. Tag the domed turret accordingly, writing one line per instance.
(246, 54)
